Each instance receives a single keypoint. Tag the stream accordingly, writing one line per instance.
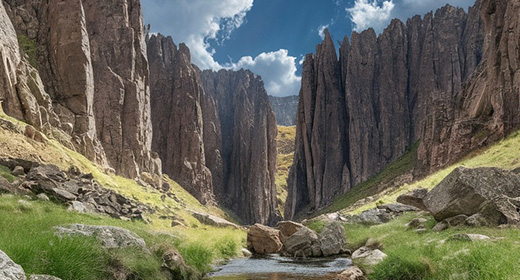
(275, 267)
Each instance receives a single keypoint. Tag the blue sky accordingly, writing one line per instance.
(270, 37)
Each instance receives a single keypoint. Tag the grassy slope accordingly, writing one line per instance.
(201, 250)
(426, 256)
(284, 159)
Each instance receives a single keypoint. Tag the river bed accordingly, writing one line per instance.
(275, 267)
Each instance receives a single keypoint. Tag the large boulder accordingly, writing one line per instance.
(332, 239)
(368, 257)
(414, 198)
(263, 239)
(303, 243)
(287, 228)
(211, 220)
(108, 236)
(491, 192)
(9, 270)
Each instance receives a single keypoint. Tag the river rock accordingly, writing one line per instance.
(491, 192)
(9, 270)
(414, 198)
(303, 243)
(368, 257)
(332, 239)
(287, 228)
(108, 236)
(468, 237)
(263, 239)
(351, 273)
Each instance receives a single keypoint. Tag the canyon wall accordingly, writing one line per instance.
(448, 79)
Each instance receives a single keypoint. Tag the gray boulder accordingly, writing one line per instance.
(303, 243)
(211, 220)
(414, 198)
(351, 273)
(491, 192)
(287, 228)
(468, 237)
(18, 171)
(108, 236)
(368, 257)
(332, 239)
(9, 270)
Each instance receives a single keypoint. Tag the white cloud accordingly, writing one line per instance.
(371, 13)
(197, 23)
(278, 70)
(321, 30)
(378, 13)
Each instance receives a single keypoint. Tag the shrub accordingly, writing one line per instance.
(197, 255)
(226, 247)
(30, 48)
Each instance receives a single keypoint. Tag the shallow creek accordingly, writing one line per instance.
(275, 267)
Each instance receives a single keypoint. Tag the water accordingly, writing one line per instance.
(275, 267)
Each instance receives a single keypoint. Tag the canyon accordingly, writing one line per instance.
(432, 79)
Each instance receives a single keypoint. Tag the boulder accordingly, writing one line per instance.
(211, 220)
(398, 208)
(332, 239)
(287, 228)
(468, 237)
(417, 223)
(351, 273)
(263, 239)
(43, 197)
(9, 270)
(303, 243)
(43, 277)
(18, 171)
(173, 262)
(492, 192)
(414, 198)
(246, 253)
(5, 186)
(368, 257)
(108, 236)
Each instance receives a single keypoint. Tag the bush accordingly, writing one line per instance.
(198, 256)
(30, 48)
(397, 267)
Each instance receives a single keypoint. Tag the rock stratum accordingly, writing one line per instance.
(450, 80)
(214, 131)
(78, 71)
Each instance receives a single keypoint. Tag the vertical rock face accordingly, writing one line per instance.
(93, 93)
(240, 143)
(449, 79)
(285, 109)
(177, 119)
(215, 132)
(122, 94)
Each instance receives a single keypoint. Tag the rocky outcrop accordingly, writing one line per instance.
(490, 193)
(285, 109)
(240, 143)
(9, 269)
(432, 79)
(83, 78)
(176, 92)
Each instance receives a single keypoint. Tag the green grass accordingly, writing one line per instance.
(426, 256)
(6, 173)
(284, 159)
(504, 154)
(30, 48)
(373, 185)
(317, 225)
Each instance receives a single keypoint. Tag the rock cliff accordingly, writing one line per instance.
(433, 80)
(240, 143)
(285, 109)
(214, 131)
(82, 77)
(176, 92)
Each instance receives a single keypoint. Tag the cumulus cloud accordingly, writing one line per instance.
(371, 13)
(378, 13)
(198, 23)
(278, 70)
(321, 30)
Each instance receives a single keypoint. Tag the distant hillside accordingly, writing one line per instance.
(285, 109)
(284, 160)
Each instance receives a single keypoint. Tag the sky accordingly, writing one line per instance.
(271, 37)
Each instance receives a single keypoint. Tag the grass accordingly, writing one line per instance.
(427, 256)
(284, 159)
(6, 173)
(30, 48)
(26, 232)
(373, 185)
(504, 154)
